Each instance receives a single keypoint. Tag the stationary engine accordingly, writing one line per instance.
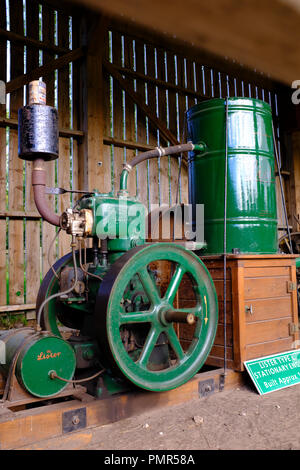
(119, 299)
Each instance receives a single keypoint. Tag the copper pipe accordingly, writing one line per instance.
(39, 185)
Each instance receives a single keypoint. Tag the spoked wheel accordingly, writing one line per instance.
(139, 339)
(284, 244)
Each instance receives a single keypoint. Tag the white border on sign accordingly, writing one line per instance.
(293, 351)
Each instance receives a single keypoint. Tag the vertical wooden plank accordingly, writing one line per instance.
(223, 85)
(142, 169)
(32, 233)
(162, 114)
(190, 81)
(129, 64)
(231, 85)
(118, 109)
(177, 118)
(293, 277)
(239, 322)
(16, 165)
(202, 78)
(92, 118)
(75, 31)
(48, 230)
(3, 233)
(152, 138)
(181, 81)
(295, 175)
(106, 113)
(130, 133)
(240, 87)
(64, 122)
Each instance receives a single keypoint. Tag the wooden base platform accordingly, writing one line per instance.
(27, 427)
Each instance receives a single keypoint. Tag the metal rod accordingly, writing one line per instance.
(180, 317)
(225, 231)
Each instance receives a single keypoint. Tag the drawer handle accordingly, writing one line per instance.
(249, 309)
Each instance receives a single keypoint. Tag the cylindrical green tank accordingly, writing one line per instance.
(251, 195)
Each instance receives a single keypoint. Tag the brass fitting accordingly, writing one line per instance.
(76, 223)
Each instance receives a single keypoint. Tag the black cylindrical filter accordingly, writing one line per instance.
(38, 132)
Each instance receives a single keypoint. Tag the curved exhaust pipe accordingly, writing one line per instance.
(39, 186)
(38, 142)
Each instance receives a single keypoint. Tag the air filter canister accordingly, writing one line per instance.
(38, 132)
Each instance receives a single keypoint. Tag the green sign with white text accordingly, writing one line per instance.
(274, 372)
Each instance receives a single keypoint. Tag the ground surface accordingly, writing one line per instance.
(233, 419)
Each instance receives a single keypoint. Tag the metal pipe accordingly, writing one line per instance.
(156, 153)
(180, 317)
(225, 233)
(39, 186)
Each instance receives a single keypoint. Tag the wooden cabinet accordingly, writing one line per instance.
(261, 307)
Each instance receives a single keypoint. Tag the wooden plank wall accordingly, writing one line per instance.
(169, 79)
(24, 238)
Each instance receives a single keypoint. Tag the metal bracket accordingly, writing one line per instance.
(58, 191)
(206, 387)
(73, 420)
(249, 309)
(222, 382)
(293, 328)
(291, 286)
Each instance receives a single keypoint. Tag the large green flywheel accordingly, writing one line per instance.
(146, 295)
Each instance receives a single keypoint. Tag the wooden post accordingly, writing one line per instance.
(2, 165)
(16, 167)
(238, 312)
(32, 237)
(90, 174)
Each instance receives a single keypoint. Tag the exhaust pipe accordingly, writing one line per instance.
(38, 142)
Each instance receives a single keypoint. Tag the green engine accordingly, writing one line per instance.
(116, 310)
(120, 297)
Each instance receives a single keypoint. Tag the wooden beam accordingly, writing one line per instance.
(55, 64)
(18, 38)
(90, 174)
(129, 144)
(29, 428)
(19, 215)
(262, 35)
(201, 57)
(149, 112)
(64, 6)
(13, 124)
(16, 308)
(159, 83)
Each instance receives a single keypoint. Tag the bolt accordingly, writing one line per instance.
(75, 420)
